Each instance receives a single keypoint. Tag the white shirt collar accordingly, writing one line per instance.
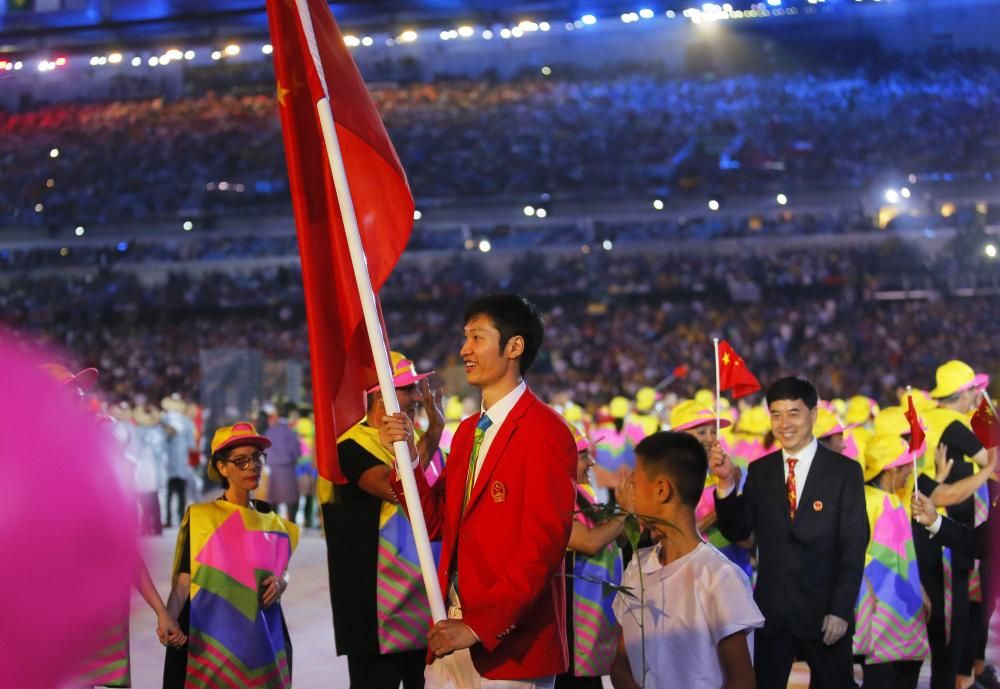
(501, 408)
(805, 455)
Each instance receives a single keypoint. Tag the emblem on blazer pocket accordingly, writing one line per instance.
(498, 491)
(818, 506)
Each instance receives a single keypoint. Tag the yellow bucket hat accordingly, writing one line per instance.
(705, 396)
(692, 414)
(956, 376)
(573, 413)
(892, 421)
(645, 399)
(754, 421)
(922, 400)
(859, 410)
(885, 452)
(827, 423)
(619, 407)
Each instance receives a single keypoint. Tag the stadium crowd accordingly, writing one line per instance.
(635, 133)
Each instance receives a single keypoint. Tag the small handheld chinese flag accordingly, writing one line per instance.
(916, 429)
(734, 374)
(986, 426)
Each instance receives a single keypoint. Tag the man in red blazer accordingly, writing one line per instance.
(503, 509)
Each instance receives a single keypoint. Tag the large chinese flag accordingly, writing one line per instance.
(986, 426)
(734, 374)
(311, 62)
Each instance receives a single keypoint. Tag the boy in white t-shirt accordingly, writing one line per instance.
(697, 607)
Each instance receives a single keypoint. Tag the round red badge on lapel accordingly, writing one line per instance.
(498, 491)
(818, 506)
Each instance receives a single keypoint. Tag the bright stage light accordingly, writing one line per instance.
(408, 36)
(608, 245)
(187, 226)
(487, 34)
(352, 41)
(267, 49)
(547, 71)
(417, 215)
(713, 205)
(991, 250)
(115, 58)
(588, 19)
(466, 31)
(529, 211)
(79, 231)
(892, 196)
(505, 33)
(485, 246)
(232, 50)
(54, 153)
(541, 213)
(646, 13)
(136, 61)
(367, 41)
(782, 199)
(544, 26)
(216, 55)
(904, 192)
(153, 61)
(658, 204)
(189, 55)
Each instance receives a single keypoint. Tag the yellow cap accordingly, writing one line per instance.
(956, 376)
(692, 414)
(240, 433)
(885, 452)
(645, 399)
(754, 421)
(859, 410)
(619, 407)
(827, 423)
(839, 407)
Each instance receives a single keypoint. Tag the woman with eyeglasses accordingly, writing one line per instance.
(230, 570)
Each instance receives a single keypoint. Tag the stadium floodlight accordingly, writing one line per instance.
(79, 231)
(892, 196)
(231, 50)
(466, 31)
(352, 41)
(39, 208)
(60, 62)
(505, 33)
(175, 54)
(546, 71)
(991, 250)
(608, 245)
(367, 41)
(782, 199)
(417, 214)
(187, 226)
(713, 205)
(216, 55)
(485, 246)
(153, 61)
(529, 211)
(646, 13)
(671, 14)
(544, 26)
(94, 61)
(408, 36)
(774, 3)
(136, 61)
(517, 32)
(115, 58)
(658, 204)
(588, 19)
(487, 35)
(541, 213)
(54, 153)
(267, 49)
(904, 192)
(189, 55)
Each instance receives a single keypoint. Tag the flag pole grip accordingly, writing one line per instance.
(373, 324)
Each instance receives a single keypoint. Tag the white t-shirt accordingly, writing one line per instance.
(690, 605)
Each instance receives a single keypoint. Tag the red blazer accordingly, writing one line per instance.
(512, 540)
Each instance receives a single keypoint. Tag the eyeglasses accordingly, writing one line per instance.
(243, 463)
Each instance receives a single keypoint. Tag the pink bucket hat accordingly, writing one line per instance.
(404, 373)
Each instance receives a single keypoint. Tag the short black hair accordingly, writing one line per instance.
(512, 315)
(681, 457)
(793, 388)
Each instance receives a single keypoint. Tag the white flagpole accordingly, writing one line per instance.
(718, 390)
(373, 324)
(916, 470)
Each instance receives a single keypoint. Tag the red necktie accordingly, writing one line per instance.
(793, 495)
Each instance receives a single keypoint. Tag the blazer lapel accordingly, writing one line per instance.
(458, 472)
(500, 441)
(779, 469)
(816, 476)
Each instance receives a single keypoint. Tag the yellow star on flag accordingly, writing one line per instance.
(282, 92)
(725, 358)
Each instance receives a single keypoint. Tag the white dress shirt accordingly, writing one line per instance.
(498, 413)
(805, 456)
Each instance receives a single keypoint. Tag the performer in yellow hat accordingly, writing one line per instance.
(946, 574)
(890, 632)
(695, 418)
(828, 429)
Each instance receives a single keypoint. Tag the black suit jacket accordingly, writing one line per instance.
(812, 567)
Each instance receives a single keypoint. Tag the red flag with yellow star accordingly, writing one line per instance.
(734, 374)
(917, 434)
(986, 426)
(312, 63)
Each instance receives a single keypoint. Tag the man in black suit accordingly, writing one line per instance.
(805, 506)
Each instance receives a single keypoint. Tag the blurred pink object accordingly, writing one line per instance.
(68, 531)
